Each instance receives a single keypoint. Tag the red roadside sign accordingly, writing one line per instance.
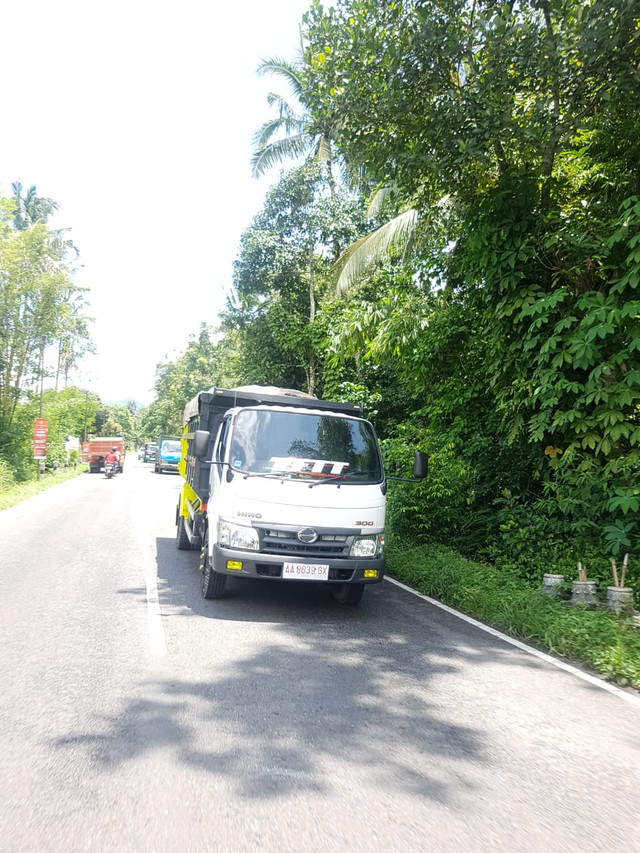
(40, 428)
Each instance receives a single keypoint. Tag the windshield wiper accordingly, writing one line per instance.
(341, 477)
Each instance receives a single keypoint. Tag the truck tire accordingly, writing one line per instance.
(348, 593)
(182, 538)
(212, 584)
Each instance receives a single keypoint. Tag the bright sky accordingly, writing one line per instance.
(137, 118)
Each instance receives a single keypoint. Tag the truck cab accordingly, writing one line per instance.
(150, 451)
(284, 487)
(168, 453)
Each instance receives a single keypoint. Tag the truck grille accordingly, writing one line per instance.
(269, 570)
(274, 541)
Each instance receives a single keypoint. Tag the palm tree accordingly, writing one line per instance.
(291, 134)
(31, 209)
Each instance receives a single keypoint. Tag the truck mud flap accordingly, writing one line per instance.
(194, 539)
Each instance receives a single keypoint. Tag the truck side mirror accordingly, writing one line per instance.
(420, 465)
(201, 443)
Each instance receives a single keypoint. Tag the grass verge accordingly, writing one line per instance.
(609, 644)
(19, 492)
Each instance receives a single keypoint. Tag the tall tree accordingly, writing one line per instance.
(30, 208)
(41, 305)
(281, 274)
(293, 133)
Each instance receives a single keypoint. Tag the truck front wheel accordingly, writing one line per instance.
(348, 593)
(212, 583)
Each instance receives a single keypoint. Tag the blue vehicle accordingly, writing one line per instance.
(150, 450)
(168, 454)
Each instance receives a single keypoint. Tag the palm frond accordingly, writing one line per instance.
(290, 127)
(282, 68)
(285, 110)
(362, 255)
(276, 152)
(378, 199)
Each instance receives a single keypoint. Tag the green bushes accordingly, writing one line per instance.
(7, 479)
(535, 538)
(503, 599)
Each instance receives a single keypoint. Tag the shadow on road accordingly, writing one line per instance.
(275, 709)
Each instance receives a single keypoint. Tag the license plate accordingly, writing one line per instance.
(305, 572)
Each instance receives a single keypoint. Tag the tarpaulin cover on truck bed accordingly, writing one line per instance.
(256, 394)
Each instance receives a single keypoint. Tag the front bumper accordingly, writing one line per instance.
(269, 566)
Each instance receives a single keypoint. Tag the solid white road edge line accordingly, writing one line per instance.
(157, 644)
(591, 679)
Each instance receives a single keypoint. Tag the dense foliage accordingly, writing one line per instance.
(486, 308)
(512, 130)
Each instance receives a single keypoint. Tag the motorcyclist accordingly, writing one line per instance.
(112, 457)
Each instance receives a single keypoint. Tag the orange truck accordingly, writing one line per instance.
(98, 449)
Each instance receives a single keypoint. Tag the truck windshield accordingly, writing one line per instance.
(171, 447)
(305, 446)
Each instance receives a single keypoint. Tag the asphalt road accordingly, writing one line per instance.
(277, 720)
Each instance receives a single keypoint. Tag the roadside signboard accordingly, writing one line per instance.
(40, 429)
(85, 451)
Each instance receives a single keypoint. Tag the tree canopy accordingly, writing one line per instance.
(489, 261)
(44, 330)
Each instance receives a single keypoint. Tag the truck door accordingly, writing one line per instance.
(218, 473)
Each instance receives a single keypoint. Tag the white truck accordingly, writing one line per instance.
(282, 486)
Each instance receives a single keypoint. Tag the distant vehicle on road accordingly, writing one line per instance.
(141, 452)
(169, 453)
(98, 449)
(150, 451)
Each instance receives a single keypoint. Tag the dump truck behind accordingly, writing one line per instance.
(98, 449)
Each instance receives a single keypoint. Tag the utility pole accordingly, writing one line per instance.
(41, 377)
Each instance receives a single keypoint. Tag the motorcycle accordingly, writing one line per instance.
(110, 469)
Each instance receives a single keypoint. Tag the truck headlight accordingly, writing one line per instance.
(237, 536)
(367, 546)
